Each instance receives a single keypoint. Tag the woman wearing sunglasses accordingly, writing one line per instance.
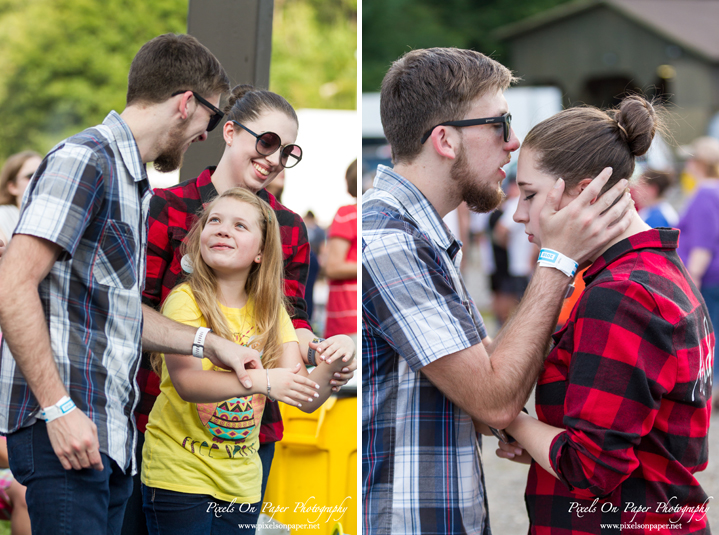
(259, 136)
(623, 399)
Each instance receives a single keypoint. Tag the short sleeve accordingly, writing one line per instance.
(287, 332)
(412, 303)
(181, 307)
(344, 224)
(61, 199)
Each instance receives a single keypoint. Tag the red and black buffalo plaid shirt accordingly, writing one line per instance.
(630, 382)
(173, 211)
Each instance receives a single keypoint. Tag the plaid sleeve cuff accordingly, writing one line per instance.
(419, 309)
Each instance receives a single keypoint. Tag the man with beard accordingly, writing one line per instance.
(70, 294)
(427, 372)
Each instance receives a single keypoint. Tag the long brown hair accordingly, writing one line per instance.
(577, 143)
(264, 283)
(9, 172)
(247, 103)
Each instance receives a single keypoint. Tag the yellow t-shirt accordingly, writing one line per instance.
(207, 448)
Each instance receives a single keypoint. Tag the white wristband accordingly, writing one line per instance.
(556, 260)
(198, 346)
(61, 408)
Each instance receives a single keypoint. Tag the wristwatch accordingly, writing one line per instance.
(502, 435)
(312, 354)
(61, 408)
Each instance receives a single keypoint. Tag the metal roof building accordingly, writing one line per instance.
(596, 50)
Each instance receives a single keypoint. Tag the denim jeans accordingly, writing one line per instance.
(64, 502)
(134, 522)
(170, 513)
(267, 453)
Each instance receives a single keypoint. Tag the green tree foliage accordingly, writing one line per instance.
(392, 27)
(64, 63)
(314, 53)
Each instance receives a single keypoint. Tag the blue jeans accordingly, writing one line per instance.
(266, 453)
(134, 522)
(171, 513)
(64, 502)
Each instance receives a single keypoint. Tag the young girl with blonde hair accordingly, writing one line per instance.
(201, 469)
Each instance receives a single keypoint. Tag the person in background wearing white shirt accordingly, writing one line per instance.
(14, 178)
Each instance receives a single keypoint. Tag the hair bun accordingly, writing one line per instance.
(236, 94)
(637, 121)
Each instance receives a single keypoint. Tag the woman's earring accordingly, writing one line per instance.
(258, 258)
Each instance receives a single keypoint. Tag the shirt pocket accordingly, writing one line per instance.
(115, 261)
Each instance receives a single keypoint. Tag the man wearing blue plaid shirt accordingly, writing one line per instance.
(428, 382)
(70, 294)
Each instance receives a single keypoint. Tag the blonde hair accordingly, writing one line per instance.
(264, 283)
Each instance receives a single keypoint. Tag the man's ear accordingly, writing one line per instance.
(183, 104)
(445, 142)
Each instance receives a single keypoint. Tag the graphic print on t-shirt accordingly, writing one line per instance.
(233, 419)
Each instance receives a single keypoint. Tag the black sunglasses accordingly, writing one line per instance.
(217, 114)
(505, 119)
(269, 142)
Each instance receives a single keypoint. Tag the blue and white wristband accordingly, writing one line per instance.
(556, 260)
(61, 408)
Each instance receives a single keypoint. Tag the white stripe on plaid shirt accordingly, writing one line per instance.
(421, 323)
(61, 206)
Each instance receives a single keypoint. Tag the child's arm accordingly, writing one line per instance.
(195, 385)
(334, 348)
(321, 375)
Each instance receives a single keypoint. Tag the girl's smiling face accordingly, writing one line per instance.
(231, 240)
(251, 169)
(534, 185)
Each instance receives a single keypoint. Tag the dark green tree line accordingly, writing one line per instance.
(392, 27)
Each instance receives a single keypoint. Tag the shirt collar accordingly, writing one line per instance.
(653, 238)
(417, 207)
(129, 151)
(205, 186)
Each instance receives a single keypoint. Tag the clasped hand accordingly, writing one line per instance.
(337, 347)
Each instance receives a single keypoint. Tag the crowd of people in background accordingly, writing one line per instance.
(220, 275)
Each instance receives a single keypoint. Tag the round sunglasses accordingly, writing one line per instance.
(269, 142)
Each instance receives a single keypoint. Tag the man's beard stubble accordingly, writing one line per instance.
(172, 153)
(479, 196)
